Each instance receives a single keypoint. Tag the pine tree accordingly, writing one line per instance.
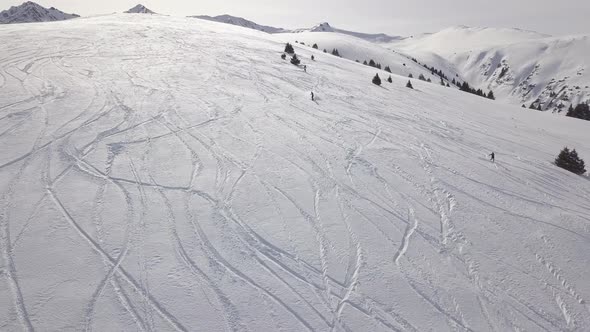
(422, 78)
(411, 76)
(335, 52)
(295, 60)
(315, 46)
(325, 51)
(376, 80)
(372, 63)
(491, 95)
(365, 63)
(389, 79)
(409, 85)
(523, 106)
(570, 161)
(387, 69)
(289, 48)
(283, 56)
(448, 86)
(429, 80)
(442, 82)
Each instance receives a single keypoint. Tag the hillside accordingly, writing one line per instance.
(238, 21)
(353, 48)
(172, 174)
(30, 12)
(326, 27)
(521, 67)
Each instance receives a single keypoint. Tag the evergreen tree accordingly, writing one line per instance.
(491, 95)
(283, 56)
(335, 52)
(448, 86)
(453, 81)
(315, 46)
(372, 63)
(289, 48)
(365, 63)
(582, 111)
(570, 161)
(387, 69)
(523, 106)
(532, 106)
(422, 78)
(325, 51)
(411, 76)
(429, 80)
(295, 60)
(389, 79)
(409, 85)
(376, 80)
(442, 82)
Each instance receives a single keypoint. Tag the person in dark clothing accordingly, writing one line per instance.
(305, 68)
(312, 96)
(492, 157)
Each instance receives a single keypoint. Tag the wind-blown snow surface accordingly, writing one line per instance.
(161, 174)
(521, 67)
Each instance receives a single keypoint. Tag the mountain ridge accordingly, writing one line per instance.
(31, 12)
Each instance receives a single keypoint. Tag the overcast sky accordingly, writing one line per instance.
(397, 17)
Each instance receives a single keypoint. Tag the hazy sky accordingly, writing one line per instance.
(397, 17)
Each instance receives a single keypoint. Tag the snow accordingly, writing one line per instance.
(521, 67)
(163, 173)
(31, 12)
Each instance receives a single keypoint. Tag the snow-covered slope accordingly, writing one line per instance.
(30, 12)
(460, 39)
(242, 22)
(139, 9)
(521, 67)
(353, 48)
(374, 38)
(172, 174)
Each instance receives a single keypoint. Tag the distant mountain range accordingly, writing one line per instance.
(30, 12)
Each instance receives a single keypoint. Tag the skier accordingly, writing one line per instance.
(312, 96)
(492, 157)
(305, 68)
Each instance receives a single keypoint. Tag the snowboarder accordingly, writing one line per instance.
(312, 96)
(305, 68)
(492, 157)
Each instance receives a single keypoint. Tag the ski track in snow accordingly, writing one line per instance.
(162, 173)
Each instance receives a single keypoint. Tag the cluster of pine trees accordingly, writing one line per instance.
(570, 161)
(581, 111)
(334, 52)
(466, 88)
